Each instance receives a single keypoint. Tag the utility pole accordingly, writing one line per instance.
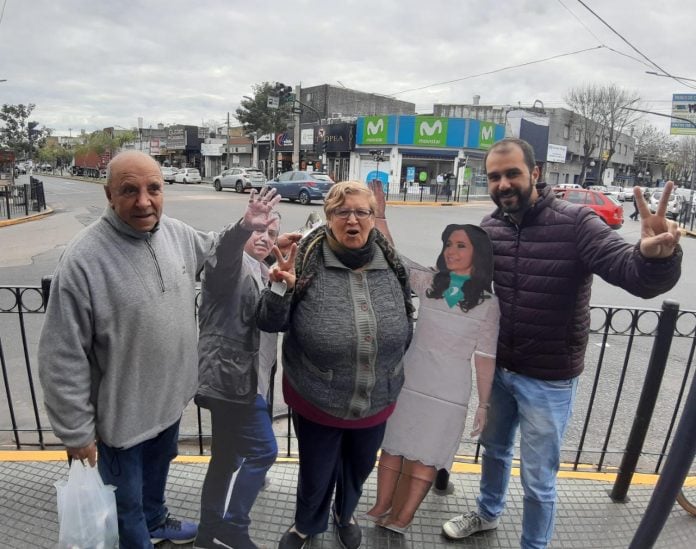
(296, 132)
(228, 140)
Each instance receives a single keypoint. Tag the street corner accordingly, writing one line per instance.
(26, 218)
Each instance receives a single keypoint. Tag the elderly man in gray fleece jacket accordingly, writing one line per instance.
(117, 354)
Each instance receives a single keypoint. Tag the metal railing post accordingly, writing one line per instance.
(681, 456)
(8, 191)
(648, 398)
(26, 199)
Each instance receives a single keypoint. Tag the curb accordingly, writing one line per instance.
(458, 467)
(25, 219)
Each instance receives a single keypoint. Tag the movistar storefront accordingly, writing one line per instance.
(407, 152)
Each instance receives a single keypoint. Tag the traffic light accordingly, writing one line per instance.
(284, 93)
(324, 146)
(32, 132)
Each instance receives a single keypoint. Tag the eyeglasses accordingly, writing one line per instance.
(345, 213)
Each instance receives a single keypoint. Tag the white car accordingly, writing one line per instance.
(627, 193)
(239, 179)
(673, 206)
(168, 173)
(187, 175)
(616, 192)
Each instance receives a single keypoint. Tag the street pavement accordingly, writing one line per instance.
(586, 517)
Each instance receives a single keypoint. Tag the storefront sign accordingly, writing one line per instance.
(337, 137)
(375, 130)
(430, 131)
(556, 153)
(211, 149)
(176, 138)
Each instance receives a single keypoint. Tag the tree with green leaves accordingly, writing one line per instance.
(19, 134)
(102, 141)
(256, 117)
(55, 154)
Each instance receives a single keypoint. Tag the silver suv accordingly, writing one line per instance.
(239, 179)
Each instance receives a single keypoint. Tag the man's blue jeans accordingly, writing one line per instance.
(542, 410)
(243, 442)
(140, 477)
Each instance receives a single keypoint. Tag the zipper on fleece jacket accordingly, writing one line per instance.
(157, 267)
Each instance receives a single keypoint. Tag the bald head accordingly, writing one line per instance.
(134, 188)
(126, 160)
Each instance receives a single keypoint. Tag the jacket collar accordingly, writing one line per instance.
(545, 198)
(112, 218)
(378, 260)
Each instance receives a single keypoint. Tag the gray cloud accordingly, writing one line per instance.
(89, 64)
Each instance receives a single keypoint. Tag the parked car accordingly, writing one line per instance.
(302, 186)
(606, 206)
(627, 193)
(673, 205)
(168, 173)
(187, 175)
(567, 186)
(239, 179)
(616, 192)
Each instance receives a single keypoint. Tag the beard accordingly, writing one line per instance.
(514, 200)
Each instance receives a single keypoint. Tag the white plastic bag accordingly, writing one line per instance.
(86, 510)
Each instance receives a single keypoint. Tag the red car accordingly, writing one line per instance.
(606, 206)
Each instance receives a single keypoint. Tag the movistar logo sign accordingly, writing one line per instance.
(375, 130)
(427, 129)
(486, 135)
(430, 131)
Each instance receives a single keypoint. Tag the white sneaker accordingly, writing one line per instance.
(463, 526)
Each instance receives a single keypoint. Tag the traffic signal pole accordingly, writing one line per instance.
(296, 134)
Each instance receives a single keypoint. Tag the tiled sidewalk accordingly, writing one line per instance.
(587, 518)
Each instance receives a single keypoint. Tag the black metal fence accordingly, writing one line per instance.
(21, 200)
(439, 193)
(626, 344)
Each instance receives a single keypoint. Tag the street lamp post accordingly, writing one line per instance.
(227, 162)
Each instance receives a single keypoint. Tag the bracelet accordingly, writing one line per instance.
(485, 406)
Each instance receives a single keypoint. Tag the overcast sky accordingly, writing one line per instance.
(88, 64)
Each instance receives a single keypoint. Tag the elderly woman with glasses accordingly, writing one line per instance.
(345, 305)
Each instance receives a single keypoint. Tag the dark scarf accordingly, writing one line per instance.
(351, 257)
(309, 261)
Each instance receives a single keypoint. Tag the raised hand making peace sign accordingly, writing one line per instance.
(658, 235)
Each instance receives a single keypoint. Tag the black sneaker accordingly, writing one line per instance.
(350, 535)
(292, 540)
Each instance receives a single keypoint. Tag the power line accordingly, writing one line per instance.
(580, 21)
(497, 70)
(617, 33)
(2, 13)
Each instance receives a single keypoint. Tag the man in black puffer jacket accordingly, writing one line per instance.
(546, 251)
